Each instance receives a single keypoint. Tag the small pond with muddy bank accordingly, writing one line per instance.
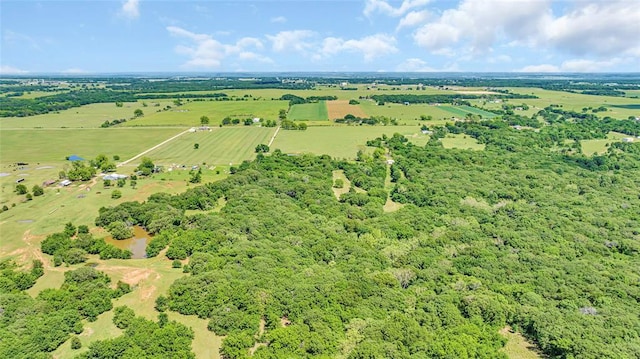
(136, 244)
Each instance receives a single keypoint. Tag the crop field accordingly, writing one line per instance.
(335, 141)
(189, 113)
(462, 111)
(463, 142)
(47, 146)
(220, 146)
(402, 112)
(341, 108)
(87, 116)
(316, 111)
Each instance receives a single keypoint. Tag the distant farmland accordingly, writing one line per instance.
(309, 112)
(220, 146)
(340, 108)
(462, 111)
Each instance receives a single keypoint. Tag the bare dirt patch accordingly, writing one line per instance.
(341, 108)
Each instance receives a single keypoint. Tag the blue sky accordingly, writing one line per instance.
(319, 35)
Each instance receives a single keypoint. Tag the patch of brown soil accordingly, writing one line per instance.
(340, 108)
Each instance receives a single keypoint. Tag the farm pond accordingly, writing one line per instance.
(136, 244)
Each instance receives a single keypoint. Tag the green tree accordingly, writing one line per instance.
(262, 148)
(21, 189)
(37, 190)
(75, 343)
(138, 113)
(204, 120)
(146, 166)
(116, 194)
(120, 230)
(196, 146)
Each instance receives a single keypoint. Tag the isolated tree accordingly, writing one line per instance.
(282, 114)
(121, 182)
(37, 190)
(138, 113)
(75, 343)
(196, 146)
(146, 166)
(21, 189)
(204, 120)
(133, 183)
(262, 148)
(116, 194)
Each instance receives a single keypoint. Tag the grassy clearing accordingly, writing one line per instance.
(600, 146)
(462, 111)
(335, 141)
(88, 116)
(190, 112)
(339, 174)
(220, 146)
(149, 279)
(517, 346)
(52, 146)
(462, 142)
(316, 111)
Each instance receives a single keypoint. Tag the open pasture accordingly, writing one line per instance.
(461, 141)
(340, 108)
(573, 101)
(599, 146)
(462, 111)
(87, 116)
(335, 141)
(190, 112)
(52, 146)
(220, 146)
(404, 112)
(316, 111)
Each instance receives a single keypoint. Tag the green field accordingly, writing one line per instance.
(190, 112)
(408, 113)
(220, 146)
(462, 111)
(316, 111)
(86, 116)
(335, 141)
(47, 146)
(599, 146)
(462, 142)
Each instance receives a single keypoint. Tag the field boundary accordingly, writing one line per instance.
(152, 148)
(274, 136)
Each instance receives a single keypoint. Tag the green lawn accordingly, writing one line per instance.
(88, 116)
(309, 112)
(220, 146)
(46, 146)
(190, 112)
(462, 142)
(335, 141)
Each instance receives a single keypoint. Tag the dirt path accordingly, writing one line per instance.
(152, 148)
(274, 136)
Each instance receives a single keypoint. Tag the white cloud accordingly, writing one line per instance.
(413, 19)
(599, 28)
(499, 59)
(480, 23)
(540, 68)
(588, 28)
(252, 56)
(130, 9)
(370, 46)
(206, 52)
(296, 40)
(577, 65)
(384, 7)
(414, 65)
(10, 70)
(279, 19)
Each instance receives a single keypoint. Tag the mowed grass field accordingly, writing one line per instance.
(308, 112)
(335, 141)
(189, 113)
(462, 111)
(220, 146)
(600, 146)
(87, 116)
(52, 146)
(406, 114)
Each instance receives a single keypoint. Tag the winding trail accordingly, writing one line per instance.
(152, 148)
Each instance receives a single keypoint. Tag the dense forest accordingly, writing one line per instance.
(528, 233)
